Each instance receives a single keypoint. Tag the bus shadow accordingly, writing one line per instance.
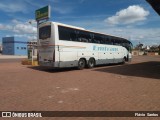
(51, 70)
(146, 69)
(56, 70)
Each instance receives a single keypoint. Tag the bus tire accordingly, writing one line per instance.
(124, 60)
(127, 58)
(81, 64)
(91, 63)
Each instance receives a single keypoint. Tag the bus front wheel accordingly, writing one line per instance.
(124, 60)
(81, 64)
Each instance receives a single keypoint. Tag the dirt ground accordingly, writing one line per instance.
(133, 86)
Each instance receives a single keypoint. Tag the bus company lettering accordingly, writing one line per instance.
(27, 114)
(40, 15)
(98, 48)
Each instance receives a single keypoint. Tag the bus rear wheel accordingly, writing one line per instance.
(81, 64)
(91, 63)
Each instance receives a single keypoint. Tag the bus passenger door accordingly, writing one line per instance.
(117, 56)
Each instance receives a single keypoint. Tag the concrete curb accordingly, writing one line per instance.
(11, 57)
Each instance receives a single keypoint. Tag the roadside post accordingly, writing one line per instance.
(29, 54)
(42, 15)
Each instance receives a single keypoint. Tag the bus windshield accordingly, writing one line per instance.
(45, 32)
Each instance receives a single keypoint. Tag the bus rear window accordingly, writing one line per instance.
(45, 32)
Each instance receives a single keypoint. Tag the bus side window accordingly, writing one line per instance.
(84, 36)
(103, 39)
(112, 41)
(108, 40)
(64, 33)
(73, 35)
(116, 41)
(97, 38)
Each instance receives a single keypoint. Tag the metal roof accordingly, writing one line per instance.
(155, 5)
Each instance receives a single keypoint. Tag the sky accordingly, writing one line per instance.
(131, 19)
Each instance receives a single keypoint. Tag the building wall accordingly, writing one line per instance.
(8, 46)
(152, 53)
(135, 52)
(20, 48)
(14, 46)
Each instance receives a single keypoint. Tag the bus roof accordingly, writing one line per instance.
(70, 26)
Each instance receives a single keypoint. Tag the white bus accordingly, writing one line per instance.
(61, 45)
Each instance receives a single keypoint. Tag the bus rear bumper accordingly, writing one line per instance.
(48, 64)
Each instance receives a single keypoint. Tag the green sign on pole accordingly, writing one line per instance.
(43, 13)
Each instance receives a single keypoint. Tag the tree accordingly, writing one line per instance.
(154, 48)
(139, 46)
